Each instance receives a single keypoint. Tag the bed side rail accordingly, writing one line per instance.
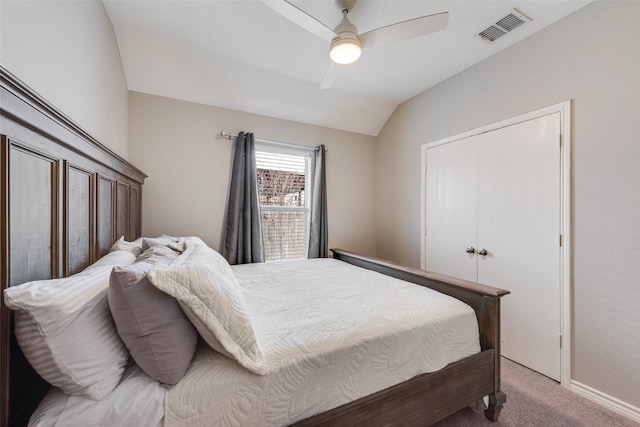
(485, 300)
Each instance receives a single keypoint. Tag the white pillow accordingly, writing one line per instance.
(122, 245)
(162, 240)
(66, 332)
(175, 243)
(137, 401)
(209, 293)
(118, 257)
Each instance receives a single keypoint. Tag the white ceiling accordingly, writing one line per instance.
(242, 55)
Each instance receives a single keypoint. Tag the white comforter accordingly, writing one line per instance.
(337, 333)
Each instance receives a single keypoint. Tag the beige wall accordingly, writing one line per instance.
(67, 52)
(175, 143)
(600, 71)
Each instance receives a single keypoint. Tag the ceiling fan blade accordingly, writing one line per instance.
(405, 30)
(331, 75)
(301, 18)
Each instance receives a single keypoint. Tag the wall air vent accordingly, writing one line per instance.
(504, 25)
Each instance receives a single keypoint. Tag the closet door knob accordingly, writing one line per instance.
(482, 252)
(470, 250)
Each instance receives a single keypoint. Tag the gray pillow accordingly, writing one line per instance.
(150, 322)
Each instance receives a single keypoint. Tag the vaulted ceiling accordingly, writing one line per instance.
(242, 55)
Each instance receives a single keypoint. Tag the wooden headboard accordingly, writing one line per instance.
(65, 199)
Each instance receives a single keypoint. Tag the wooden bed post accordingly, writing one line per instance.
(490, 338)
(496, 400)
(5, 315)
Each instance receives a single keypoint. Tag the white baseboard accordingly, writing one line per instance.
(609, 402)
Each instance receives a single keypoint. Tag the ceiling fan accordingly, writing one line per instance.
(346, 44)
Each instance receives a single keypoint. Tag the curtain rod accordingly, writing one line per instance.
(267, 141)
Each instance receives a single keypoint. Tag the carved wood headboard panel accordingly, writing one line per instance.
(65, 199)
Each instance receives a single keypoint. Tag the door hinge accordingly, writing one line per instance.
(560, 137)
(561, 240)
(560, 340)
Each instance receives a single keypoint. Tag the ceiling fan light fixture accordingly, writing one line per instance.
(346, 47)
(345, 50)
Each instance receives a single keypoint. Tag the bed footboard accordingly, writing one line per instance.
(431, 397)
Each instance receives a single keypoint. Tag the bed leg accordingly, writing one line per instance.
(496, 400)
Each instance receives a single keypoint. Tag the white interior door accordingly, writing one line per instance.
(519, 226)
(451, 208)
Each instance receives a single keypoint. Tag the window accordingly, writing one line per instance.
(282, 190)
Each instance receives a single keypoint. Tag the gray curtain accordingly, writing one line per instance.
(318, 233)
(243, 231)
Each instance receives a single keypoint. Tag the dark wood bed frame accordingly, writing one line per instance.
(66, 198)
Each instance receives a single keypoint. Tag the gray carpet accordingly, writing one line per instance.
(535, 400)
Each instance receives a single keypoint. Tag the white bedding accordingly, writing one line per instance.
(333, 340)
(326, 341)
(136, 401)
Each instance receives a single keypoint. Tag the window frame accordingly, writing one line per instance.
(296, 151)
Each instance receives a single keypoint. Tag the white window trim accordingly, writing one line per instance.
(298, 151)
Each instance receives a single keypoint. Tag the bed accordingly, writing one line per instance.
(66, 199)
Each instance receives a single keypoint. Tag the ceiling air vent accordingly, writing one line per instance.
(503, 26)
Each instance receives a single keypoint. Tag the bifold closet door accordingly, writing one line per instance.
(519, 226)
(493, 217)
(451, 209)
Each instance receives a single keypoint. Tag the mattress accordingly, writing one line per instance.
(336, 332)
